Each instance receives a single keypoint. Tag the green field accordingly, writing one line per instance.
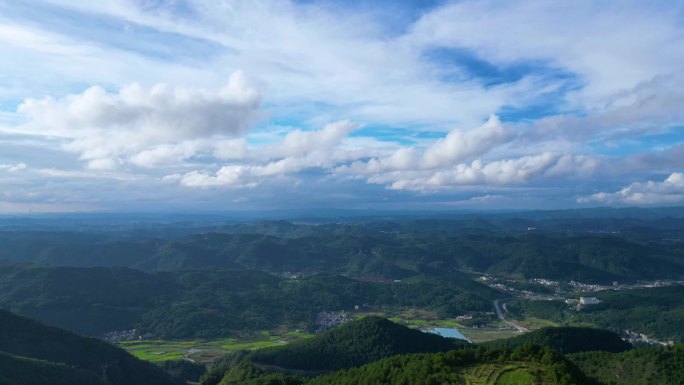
(534, 323)
(484, 335)
(204, 351)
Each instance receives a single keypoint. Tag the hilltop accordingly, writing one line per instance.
(567, 339)
(353, 344)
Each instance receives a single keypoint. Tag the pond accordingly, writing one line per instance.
(448, 333)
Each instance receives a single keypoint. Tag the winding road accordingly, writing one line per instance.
(498, 305)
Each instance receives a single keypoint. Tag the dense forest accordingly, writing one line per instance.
(566, 340)
(645, 366)
(34, 354)
(212, 303)
(353, 344)
(392, 249)
(566, 355)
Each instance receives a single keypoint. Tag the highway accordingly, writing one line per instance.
(498, 305)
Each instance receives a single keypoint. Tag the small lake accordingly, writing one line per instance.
(448, 333)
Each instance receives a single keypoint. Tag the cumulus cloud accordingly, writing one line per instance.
(299, 142)
(298, 150)
(456, 160)
(669, 191)
(455, 147)
(503, 172)
(145, 125)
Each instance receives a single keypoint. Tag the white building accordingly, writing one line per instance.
(589, 301)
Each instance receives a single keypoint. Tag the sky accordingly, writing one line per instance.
(220, 105)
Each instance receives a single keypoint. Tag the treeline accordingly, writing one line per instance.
(212, 303)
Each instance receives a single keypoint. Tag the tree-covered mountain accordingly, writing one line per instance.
(527, 365)
(566, 340)
(212, 303)
(391, 249)
(362, 347)
(33, 353)
(15, 370)
(353, 344)
(645, 366)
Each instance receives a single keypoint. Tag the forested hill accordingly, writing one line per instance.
(527, 365)
(567, 340)
(353, 344)
(15, 370)
(645, 366)
(212, 303)
(32, 353)
(391, 249)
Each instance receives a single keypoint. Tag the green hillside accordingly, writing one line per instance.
(528, 365)
(394, 249)
(26, 371)
(20, 336)
(657, 312)
(646, 366)
(565, 340)
(353, 344)
(212, 303)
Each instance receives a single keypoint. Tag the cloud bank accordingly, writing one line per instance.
(273, 103)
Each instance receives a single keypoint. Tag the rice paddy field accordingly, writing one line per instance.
(204, 351)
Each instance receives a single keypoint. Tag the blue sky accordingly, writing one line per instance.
(188, 105)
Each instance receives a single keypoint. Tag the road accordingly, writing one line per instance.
(498, 304)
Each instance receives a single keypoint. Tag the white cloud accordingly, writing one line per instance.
(669, 191)
(298, 150)
(146, 126)
(505, 172)
(13, 167)
(456, 146)
(611, 46)
(607, 73)
(299, 142)
(226, 176)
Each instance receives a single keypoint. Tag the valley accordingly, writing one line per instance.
(257, 297)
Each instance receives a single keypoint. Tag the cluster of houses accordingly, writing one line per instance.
(327, 320)
(125, 335)
(635, 338)
(121, 335)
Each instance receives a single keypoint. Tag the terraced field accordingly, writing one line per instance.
(504, 374)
